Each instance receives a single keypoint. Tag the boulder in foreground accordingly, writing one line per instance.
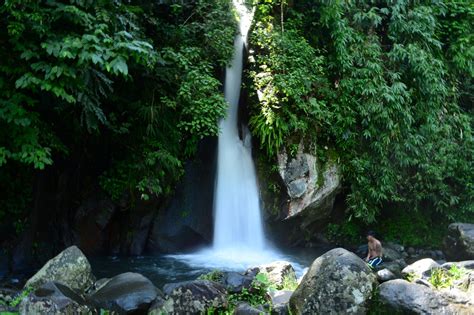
(337, 282)
(420, 269)
(54, 298)
(192, 297)
(400, 296)
(126, 293)
(70, 268)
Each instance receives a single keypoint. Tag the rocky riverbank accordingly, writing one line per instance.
(337, 282)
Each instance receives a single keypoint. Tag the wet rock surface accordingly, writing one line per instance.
(337, 282)
(186, 222)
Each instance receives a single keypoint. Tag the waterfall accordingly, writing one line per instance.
(239, 240)
(238, 222)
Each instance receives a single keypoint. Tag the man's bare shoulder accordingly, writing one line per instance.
(378, 243)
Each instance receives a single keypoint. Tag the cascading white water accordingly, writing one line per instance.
(239, 240)
(238, 222)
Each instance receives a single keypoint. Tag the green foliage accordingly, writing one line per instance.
(443, 278)
(348, 232)
(256, 295)
(104, 312)
(286, 75)
(16, 192)
(412, 229)
(20, 296)
(410, 277)
(135, 78)
(289, 283)
(389, 86)
(215, 275)
(407, 228)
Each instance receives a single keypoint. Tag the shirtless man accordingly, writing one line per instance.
(374, 255)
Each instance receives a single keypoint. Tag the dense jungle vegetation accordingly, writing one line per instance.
(121, 92)
(389, 86)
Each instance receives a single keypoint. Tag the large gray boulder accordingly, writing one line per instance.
(54, 298)
(126, 293)
(400, 296)
(420, 269)
(310, 188)
(337, 282)
(192, 297)
(276, 272)
(70, 268)
(459, 243)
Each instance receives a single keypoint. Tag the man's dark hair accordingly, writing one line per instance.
(370, 233)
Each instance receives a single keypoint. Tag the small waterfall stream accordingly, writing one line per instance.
(238, 222)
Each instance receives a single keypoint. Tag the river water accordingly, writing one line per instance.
(164, 269)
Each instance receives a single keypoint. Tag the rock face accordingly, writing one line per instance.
(54, 298)
(400, 296)
(70, 268)
(126, 293)
(459, 244)
(337, 282)
(421, 268)
(186, 221)
(91, 222)
(192, 297)
(276, 272)
(311, 190)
